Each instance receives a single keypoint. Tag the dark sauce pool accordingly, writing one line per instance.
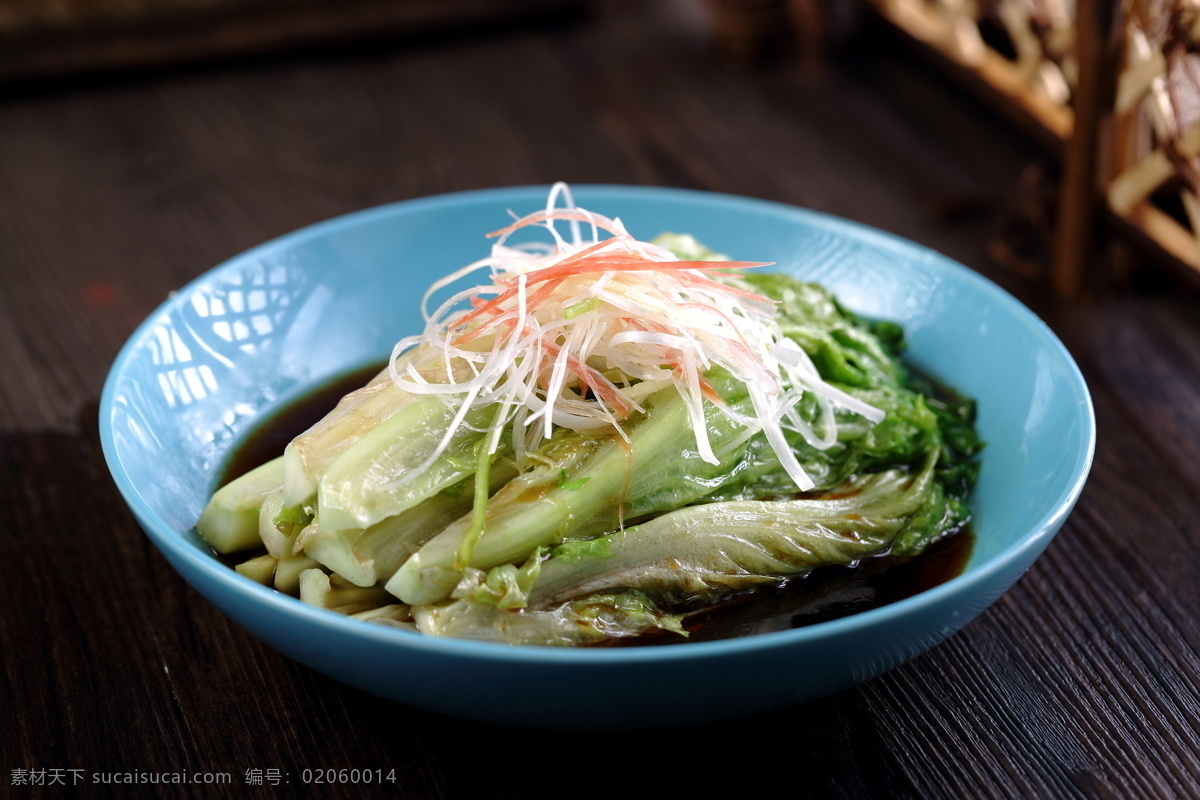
(825, 594)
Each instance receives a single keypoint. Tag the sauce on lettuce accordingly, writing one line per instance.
(605, 439)
(826, 594)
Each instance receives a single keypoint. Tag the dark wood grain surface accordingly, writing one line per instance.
(1081, 682)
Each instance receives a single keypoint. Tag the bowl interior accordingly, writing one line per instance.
(255, 332)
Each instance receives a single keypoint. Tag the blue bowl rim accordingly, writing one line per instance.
(172, 543)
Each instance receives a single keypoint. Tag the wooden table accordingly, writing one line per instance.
(1081, 682)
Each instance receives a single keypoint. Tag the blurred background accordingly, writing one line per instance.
(1104, 94)
(1050, 145)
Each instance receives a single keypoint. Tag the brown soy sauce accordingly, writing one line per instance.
(825, 594)
(270, 438)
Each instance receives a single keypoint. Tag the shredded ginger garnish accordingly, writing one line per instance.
(576, 333)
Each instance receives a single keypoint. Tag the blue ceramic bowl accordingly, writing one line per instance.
(257, 331)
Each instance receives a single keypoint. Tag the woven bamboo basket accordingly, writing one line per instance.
(1114, 88)
(1154, 163)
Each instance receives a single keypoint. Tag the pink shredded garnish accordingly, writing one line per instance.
(555, 321)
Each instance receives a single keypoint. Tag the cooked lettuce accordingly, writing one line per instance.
(697, 556)
(894, 487)
(608, 480)
(600, 534)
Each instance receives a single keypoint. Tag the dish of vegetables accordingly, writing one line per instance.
(207, 374)
(600, 439)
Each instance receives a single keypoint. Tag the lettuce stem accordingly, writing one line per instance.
(483, 467)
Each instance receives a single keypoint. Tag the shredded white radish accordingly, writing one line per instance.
(577, 332)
